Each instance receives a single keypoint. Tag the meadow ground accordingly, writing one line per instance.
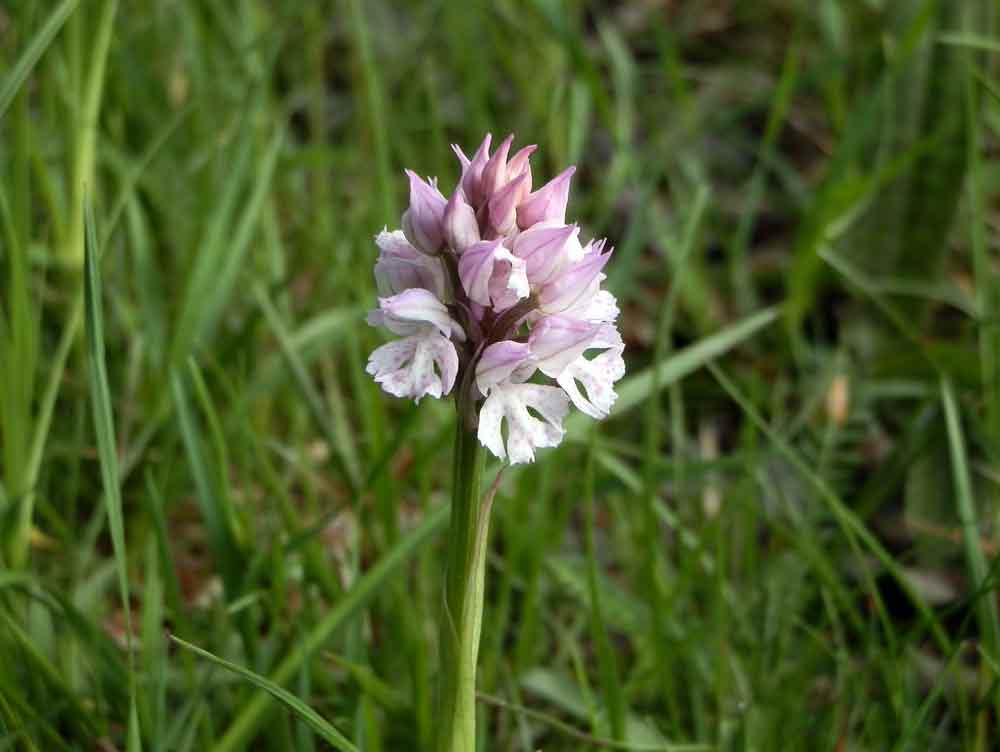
(785, 535)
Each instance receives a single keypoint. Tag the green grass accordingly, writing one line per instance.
(785, 537)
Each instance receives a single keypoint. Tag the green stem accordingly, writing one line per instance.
(462, 612)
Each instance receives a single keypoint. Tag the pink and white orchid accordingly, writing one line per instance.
(491, 289)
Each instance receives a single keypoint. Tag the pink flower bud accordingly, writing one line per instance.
(503, 205)
(519, 164)
(548, 203)
(460, 226)
(495, 171)
(472, 172)
(422, 222)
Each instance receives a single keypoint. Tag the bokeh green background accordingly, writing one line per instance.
(784, 536)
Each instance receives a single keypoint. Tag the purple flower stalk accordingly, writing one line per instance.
(494, 296)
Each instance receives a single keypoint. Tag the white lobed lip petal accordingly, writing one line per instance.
(597, 376)
(415, 366)
(525, 432)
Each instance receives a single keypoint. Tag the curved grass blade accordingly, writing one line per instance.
(290, 701)
(255, 712)
(43, 38)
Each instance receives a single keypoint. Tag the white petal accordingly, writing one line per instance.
(415, 366)
(597, 376)
(490, 416)
(525, 432)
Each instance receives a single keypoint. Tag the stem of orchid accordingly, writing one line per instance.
(462, 612)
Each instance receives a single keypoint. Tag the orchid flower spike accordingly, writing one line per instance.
(491, 290)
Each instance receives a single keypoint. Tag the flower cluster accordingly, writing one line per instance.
(487, 289)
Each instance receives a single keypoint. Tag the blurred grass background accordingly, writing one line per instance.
(784, 538)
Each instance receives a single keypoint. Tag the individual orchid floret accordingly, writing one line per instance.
(548, 203)
(545, 250)
(423, 221)
(493, 290)
(495, 171)
(425, 361)
(460, 226)
(502, 206)
(575, 283)
(472, 172)
(487, 270)
(400, 267)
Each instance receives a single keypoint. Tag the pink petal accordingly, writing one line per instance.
(542, 248)
(422, 222)
(556, 341)
(495, 171)
(499, 361)
(460, 226)
(548, 203)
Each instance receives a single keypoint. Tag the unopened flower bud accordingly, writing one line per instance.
(495, 171)
(548, 203)
(472, 172)
(422, 222)
(460, 226)
(503, 205)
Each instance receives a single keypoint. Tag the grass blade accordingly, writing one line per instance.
(211, 501)
(100, 395)
(339, 440)
(986, 605)
(255, 712)
(41, 41)
(290, 701)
